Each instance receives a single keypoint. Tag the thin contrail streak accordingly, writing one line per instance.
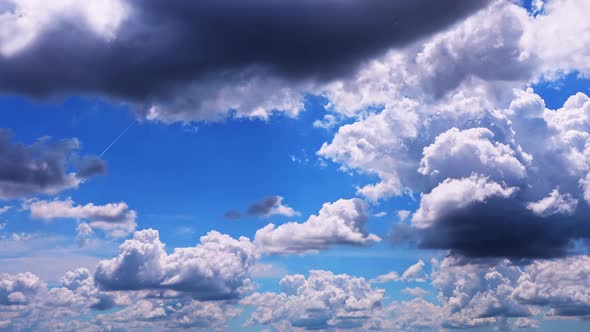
(116, 139)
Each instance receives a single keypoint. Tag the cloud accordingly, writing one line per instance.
(271, 205)
(414, 273)
(415, 292)
(19, 288)
(45, 167)
(217, 268)
(458, 153)
(115, 219)
(561, 285)
(232, 215)
(338, 223)
(555, 203)
(321, 301)
(250, 73)
(455, 194)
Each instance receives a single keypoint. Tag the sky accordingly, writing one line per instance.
(294, 165)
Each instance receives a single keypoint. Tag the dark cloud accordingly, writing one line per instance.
(232, 215)
(44, 167)
(502, 228)
(166, 44)
(264, 207)
(90, 166)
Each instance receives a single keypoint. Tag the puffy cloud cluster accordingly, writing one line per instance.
(115, 219)
(19, 288)
(562, 285)
(323, 300)
(337, 223)
(494, 167)
(44, 167)
(216, 268)
(76, 304)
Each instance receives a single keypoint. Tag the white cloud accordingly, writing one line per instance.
(563, 285)
(21, 288)
(555, 203)
(458, 153)
(415, 292)
(403, 214)
(321, 301)
(341, 222)
(217, 268)
(116, 219)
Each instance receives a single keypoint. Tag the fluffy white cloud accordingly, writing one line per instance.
(458, 153)
(415, 292)
(561, 23)
(116, 219)
(341, 222)
(217, 268)
(321, 301)
(555, 203)
(563, 285)
(477, 293)
(454, 194)
(19, 288)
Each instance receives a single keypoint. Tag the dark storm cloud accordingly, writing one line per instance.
(502, 228)
(264, 207)
(164, 44)
(41, 168)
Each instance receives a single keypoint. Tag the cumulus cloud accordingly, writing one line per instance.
(561, 285)
(323, 300)
(44, 167)
(216, 268)
(555, 203)
(115, 219)
(19, 288)
(339, 223)
(454, 194)
(458, 153)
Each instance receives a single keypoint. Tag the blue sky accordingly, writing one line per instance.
(430, 172)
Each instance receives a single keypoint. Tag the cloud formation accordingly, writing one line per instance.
(115, 219)
(321, 301)
(339, 223)
(215, 269)
(44, 167)
(243, 58)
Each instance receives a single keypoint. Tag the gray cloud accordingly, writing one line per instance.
(44, 167)
(198, 45)
(232, 215)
